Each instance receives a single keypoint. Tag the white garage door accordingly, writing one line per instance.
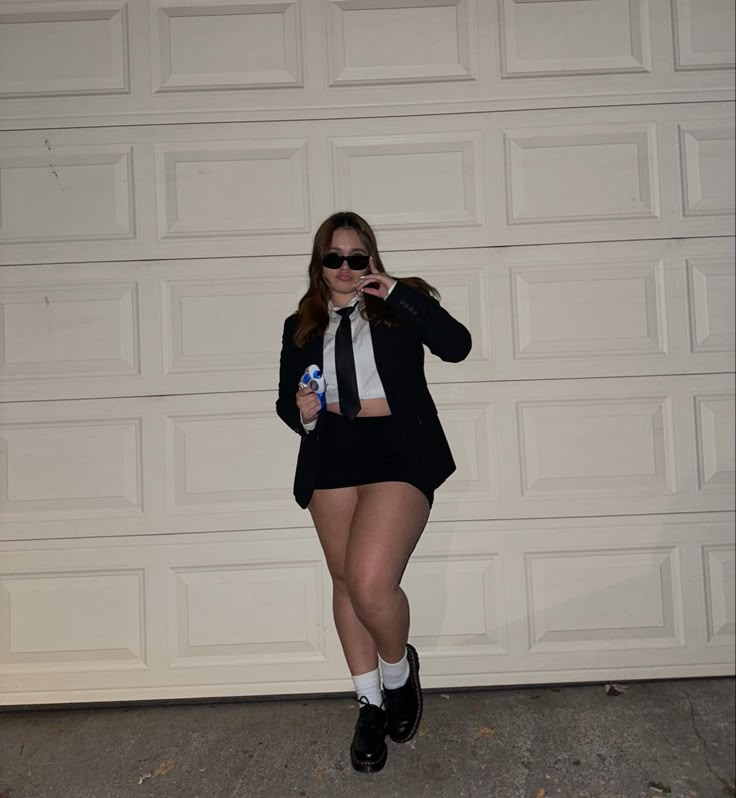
(563, 172)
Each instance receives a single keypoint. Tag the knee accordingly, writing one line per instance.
(368, 590)
(338, 579)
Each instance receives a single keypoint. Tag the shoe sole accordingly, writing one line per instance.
(369, 767)
(413, 674)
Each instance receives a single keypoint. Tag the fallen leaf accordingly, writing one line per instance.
(165, 767)
(319, 775)
(615, 689)
(541, 792)
(423, 731)
(484, 731)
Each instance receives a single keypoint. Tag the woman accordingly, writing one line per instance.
(370, 461)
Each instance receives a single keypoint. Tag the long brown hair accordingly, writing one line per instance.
(313, 312)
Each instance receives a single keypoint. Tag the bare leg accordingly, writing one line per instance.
(332, 512)
(386, 524)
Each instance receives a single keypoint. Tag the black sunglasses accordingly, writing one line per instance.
(356, 263)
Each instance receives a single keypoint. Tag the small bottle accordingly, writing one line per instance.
(314, 379)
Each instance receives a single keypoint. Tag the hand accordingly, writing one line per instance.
(375, 283)
(308, 403)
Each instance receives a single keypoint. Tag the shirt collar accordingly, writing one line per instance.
(356, 300)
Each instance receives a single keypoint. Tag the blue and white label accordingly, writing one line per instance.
(314, 379)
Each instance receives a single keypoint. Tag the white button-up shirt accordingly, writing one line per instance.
(369, 381)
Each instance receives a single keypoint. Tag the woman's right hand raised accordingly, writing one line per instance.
(308, 403)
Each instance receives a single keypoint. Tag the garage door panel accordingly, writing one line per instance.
(710, 289)
(718, 563)
(604, 600)
(259, 45)
(219, 461)
(182, 445)
(432, 181)
(562, 172)
(597, 447)
(216, 609)
(462, 609)
(703, 36)
(706, 151)
(225, 461)
(234, 60)
(70, 621)
(89, 53)
(78, 193)
(69, 329)
(411, 42)
(71, 468)
(251, 189)
(502, 609)
(714, 425)
(596, 309)
(215, 324)
(611, 588)
(191, 326)
(472, 427)
(574, 160)
(266, 627)
(231, 189)
(618, 446)
(557, 39)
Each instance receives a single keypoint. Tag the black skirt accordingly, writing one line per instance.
(361, 452)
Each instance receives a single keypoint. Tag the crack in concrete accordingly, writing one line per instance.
(728, 786)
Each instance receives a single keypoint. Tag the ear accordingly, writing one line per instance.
(372, 266)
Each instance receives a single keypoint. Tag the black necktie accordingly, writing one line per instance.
(347, 382)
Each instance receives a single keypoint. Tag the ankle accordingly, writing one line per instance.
(395, 674)
(368, 687)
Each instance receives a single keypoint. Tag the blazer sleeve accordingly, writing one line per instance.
(286, 407)
(444, 335)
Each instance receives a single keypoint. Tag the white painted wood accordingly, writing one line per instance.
(719, 594)
(493, 603)
(63, 48)
(605, 600)
(228, 188)
(257, 45)
(444, 182)
(193, 326)
(562, 38)
(77, 620)
(704, 34)
(562, 171)
(408, 41)
(78, 193)
(208, 462)
(710, 288)
(706, 150)
(714, 420)
(250, 60)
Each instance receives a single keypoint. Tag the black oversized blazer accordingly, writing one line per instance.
(399, 353)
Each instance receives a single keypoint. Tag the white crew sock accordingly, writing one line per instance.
(368, 685)
(395, 674)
